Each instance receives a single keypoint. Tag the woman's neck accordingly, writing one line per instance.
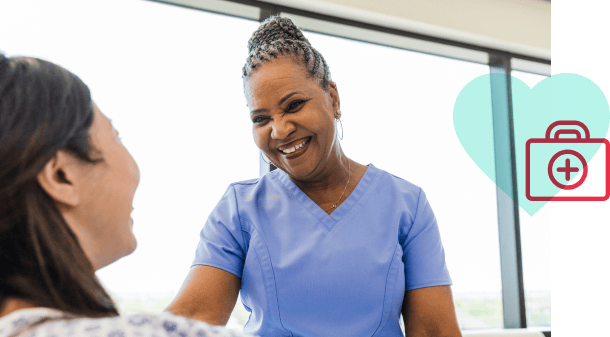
(333, 176)
(13, 304)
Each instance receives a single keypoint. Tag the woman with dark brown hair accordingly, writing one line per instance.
(66, 190)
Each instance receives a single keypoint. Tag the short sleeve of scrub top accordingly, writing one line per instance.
(307, 273)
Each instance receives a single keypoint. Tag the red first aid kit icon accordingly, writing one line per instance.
(555, 163)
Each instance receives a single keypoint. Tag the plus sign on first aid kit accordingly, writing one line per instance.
(556, 163)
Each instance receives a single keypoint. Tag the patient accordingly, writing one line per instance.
(66, 191)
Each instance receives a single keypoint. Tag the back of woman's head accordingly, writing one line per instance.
(279, 36)
(43, 109)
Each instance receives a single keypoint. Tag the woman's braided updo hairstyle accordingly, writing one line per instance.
(279, 36)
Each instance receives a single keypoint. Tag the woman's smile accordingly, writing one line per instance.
(295, 149)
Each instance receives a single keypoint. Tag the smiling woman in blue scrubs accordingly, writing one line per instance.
(324, 246)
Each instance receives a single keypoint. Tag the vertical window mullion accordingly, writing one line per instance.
(513, 296)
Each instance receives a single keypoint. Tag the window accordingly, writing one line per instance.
(536, 247)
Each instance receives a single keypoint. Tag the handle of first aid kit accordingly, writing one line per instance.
(551, 127)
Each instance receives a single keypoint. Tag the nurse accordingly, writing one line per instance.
(323, 246)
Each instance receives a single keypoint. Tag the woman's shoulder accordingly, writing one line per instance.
(42, 322)
(391, 180)
(401, 194)
(249, 182)
(256, 185)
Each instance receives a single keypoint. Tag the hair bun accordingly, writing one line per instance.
(276, 28)
(278, 36)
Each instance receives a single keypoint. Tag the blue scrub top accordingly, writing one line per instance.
(306, 273)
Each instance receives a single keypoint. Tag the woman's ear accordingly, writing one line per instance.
(58, 179)
(334, 95)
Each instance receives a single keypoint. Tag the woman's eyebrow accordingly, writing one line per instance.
(257, 111)
(281, 101)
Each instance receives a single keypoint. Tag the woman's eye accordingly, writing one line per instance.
(295, 106)
(257, 120)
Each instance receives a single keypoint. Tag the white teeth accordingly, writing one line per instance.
(295, 148)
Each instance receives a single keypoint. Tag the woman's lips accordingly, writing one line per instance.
(297, 143)
(298, 152)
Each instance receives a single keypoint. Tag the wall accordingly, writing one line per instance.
(526, 22)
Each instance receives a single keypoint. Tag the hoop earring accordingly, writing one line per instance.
(339, 120)
(263, 158)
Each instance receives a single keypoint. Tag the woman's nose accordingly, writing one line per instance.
(281, 128)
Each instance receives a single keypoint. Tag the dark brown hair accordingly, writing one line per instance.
(279, 36)
(43, 109)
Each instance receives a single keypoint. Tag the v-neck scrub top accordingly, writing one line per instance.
(306, 273)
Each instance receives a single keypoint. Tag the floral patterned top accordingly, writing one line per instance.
(45, 322)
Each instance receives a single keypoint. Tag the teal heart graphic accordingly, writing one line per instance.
(561, 97)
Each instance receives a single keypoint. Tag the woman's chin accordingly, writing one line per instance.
(303, 172)
(128, 244)
(132, 245)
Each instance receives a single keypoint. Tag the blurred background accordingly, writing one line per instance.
(168, 73)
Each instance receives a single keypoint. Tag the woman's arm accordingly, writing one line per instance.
(430, 312)
(208, 294)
